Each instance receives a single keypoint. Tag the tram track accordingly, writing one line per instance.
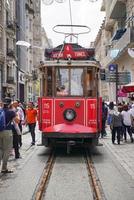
(94, 180)
(45, 177)
(94, 183)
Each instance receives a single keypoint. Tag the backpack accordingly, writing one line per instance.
(2, 120)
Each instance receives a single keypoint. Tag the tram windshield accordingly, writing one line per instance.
(69, 81)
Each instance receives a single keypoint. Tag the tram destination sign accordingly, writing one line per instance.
(73, 51)
(121, 77)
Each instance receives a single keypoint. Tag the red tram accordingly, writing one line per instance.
(70, 105)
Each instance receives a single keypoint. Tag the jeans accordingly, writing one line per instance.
(118, 131)
(32, 131)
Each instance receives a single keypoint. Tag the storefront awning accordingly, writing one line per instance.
(128, 88)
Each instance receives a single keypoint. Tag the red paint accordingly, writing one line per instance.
(51, 117)
(46, 117)
(91, 113)
(69, 103)
(66, 128)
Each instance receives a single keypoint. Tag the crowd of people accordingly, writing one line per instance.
(13, 115)
(120, 119)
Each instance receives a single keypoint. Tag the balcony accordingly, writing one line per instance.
(29, 6)
(2, 58)
(117, 9)
(11, 25)
(11, 53)
(10, 80)
(125, 41)
(109, 23)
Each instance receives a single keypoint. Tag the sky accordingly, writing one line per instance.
(83, 12)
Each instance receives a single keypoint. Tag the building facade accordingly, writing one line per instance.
(8, 57)
(116, 37)
(2, 39)
(20, 21)
(29, 30)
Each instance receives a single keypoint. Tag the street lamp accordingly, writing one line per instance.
(23, 43)
(27, 44)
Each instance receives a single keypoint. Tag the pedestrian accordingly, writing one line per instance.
(104, 118)
(110, 112)
(132, 117)
(116, 125)
(31, 118)
(21, 117)
(16, 133)
(127, 122)
(6, 138)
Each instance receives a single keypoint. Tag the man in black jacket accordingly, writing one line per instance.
(104, 118)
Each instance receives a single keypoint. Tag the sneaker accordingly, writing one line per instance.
(6, 171)
(20, 145)
(18, 157)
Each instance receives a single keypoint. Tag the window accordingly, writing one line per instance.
(76, 82)
(30, 24)
(69, 81)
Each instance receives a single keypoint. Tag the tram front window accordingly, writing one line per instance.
(69, 82)
(76, 82)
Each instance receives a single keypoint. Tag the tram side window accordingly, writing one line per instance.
(89, 83)
(62, 82)
(49, 82)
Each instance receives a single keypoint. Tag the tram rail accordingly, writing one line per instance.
(45, 177)
(94, 182)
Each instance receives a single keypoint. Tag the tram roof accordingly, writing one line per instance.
(71, 63)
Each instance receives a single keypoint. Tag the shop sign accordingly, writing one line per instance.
(21, 77)
(121, 77)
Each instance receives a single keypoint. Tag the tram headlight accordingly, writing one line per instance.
(69, 114)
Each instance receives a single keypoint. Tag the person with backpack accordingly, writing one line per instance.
(6, 138)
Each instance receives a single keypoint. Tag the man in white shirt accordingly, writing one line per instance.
(127, 122)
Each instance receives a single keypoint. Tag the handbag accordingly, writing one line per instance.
(17, 129)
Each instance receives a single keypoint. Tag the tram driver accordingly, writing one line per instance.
(61, 91)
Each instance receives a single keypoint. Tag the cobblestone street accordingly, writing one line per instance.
(123, 153)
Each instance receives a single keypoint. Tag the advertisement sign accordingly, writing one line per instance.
(47, 112)
(92, 113)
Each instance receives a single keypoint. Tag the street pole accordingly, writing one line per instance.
(116, 84)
